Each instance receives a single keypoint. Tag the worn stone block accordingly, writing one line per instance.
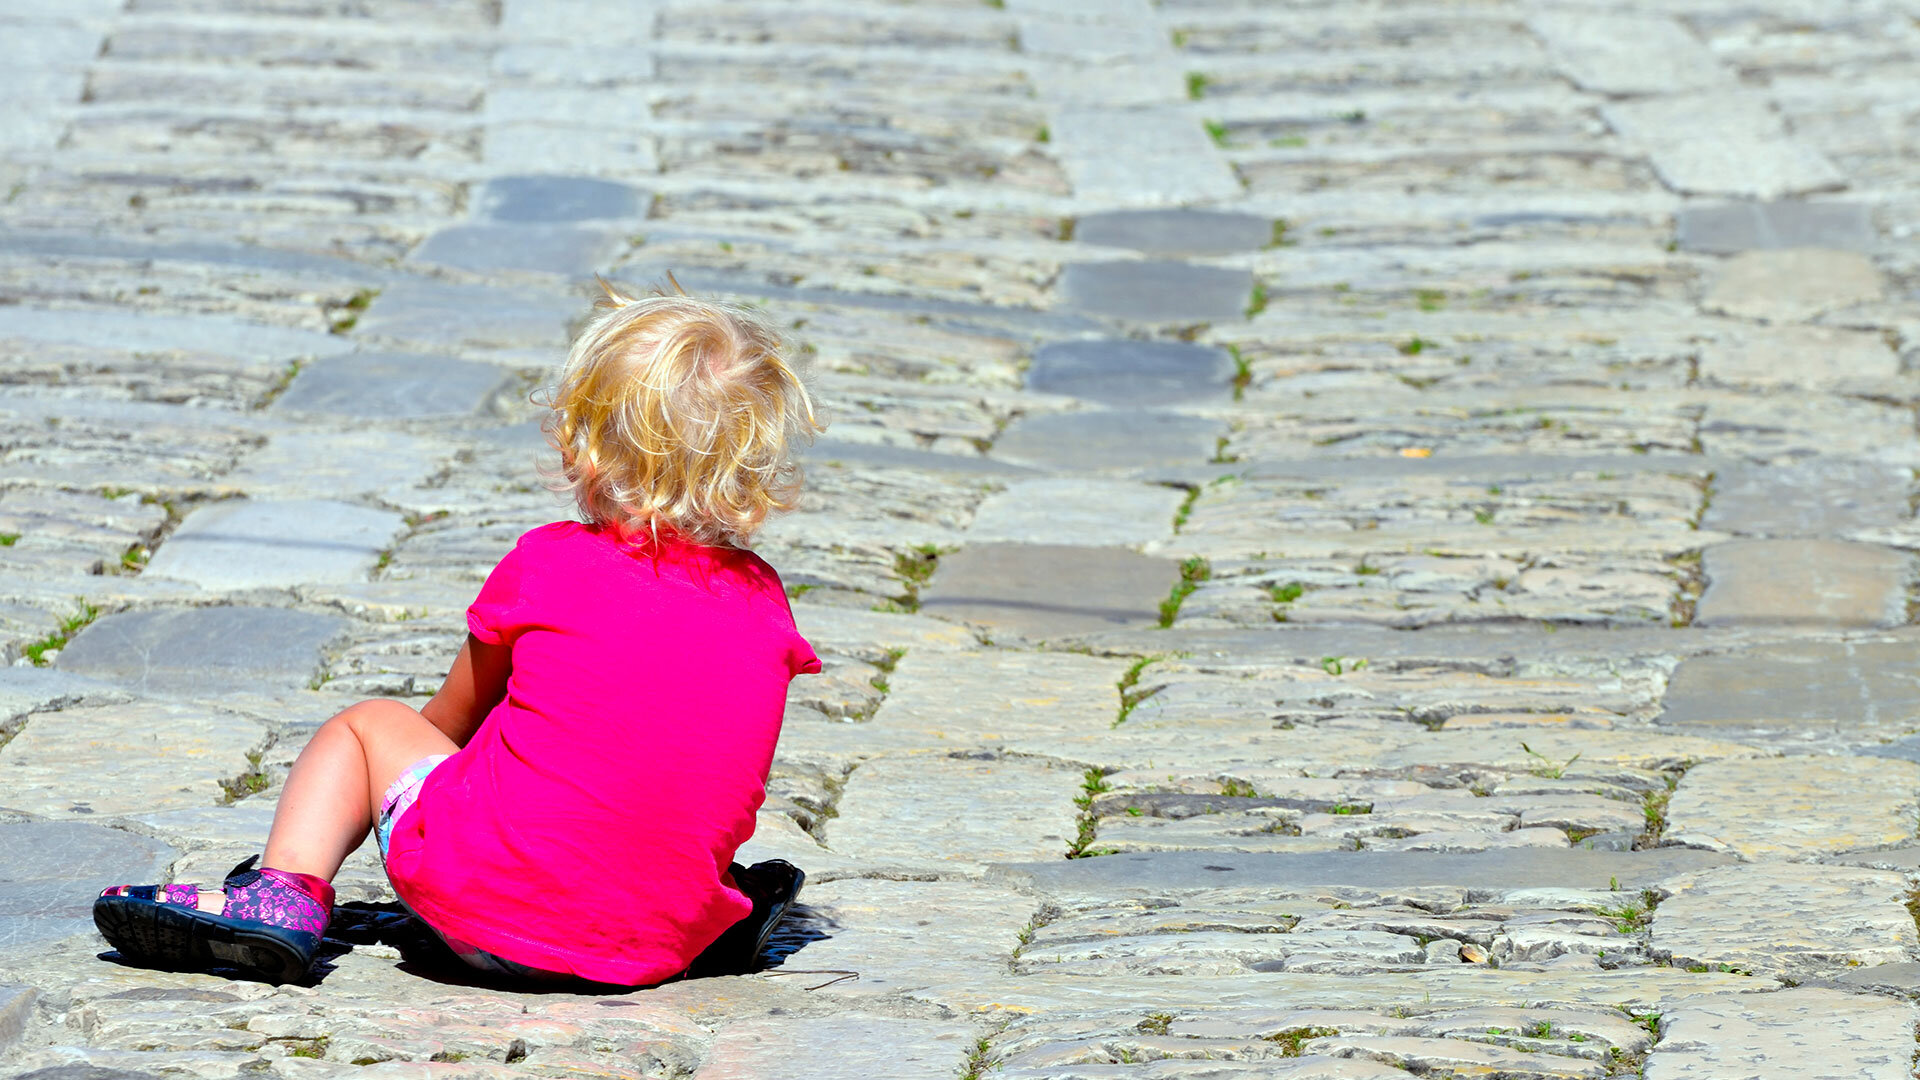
(956, 700)
(1154, 155)
(1511, 868)
(396, 386)
(1126, 373)
(244, 544)
(882, 456)
(1089, 513)
(1119, 440)
(1049, 591)
(1812, 583)
(844, 1047)
(1721, 142)
(1794, 807)
(1176, 232)
(1157, 292)
(459, 316)
(338, 464)
(1746, 226)
(935, 807)
(1628, 54)
(124, 759)
(16, 1006)
(548, 199)
(1868, 686)
(54, 869)
(545, 249)
(1802, 1032)
(1779, 918)
(189, 650)
(1792, 284)
(1817, 357)
(1822, 497)
(902, 934)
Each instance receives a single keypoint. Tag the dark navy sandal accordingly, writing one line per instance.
(773, 886)
(165, 926)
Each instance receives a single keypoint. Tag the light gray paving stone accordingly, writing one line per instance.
(159, 757)
(1176, 232)
(984, 698)
(456, 316)
(1147, 291)
(1794, 223)
(1140, 374)
(1869, 687)
(1494, 870)
(882, 456)
(1792, 284)
(1797, 807)
(845, 1047)
(548, 199)
(1147, 156)
(54, 869)
(142, 332)
(1049, 591)
(547, 249)
(1808, 1032)
(1803, 583)
(936, 808)
(194, 650)
(26, 690)
(1628, 53)
(1087, 513)
(1722, 143)
(247, 544)
(1816, 357)
(334, 465)
(1118, 439)
(397, 386)
(1795, 919)
(903, 935)
(16, 1011)
(1823, 497)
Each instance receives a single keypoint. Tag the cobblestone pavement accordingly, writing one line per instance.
(1458, 586)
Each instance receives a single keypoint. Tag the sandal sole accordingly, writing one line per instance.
(184, 939)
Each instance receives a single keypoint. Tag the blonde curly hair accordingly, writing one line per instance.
(676, 414)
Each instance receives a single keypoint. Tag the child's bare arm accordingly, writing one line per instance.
(474, 686)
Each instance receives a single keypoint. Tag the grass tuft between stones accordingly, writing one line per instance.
(1192, 572)
(1092, 784)
(42, 652)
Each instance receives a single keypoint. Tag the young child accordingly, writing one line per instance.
(567, 805)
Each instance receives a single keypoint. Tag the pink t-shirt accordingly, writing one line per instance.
(588, 825)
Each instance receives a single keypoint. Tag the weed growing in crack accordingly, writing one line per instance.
(1185, 511)
(1690, 582)
(1130, 694)
(1192, 572)
(1093, 784)
(1292, 1039)
(1242, 372)
(1257, 300)
(252, 782)
(42, 652)
(1545, 766)
(914, 568)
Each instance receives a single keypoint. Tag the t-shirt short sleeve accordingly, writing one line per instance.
(493, 616)
(801, 660)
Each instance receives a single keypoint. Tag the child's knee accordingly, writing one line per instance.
(371, 719)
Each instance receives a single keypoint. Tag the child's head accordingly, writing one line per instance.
(678, 414)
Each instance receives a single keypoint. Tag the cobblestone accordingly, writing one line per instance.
(1417, 501)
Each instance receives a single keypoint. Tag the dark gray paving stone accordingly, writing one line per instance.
(1491, 871)
(178, 650)
(1126, 373)
(110, 329)
(1046, 591)
(1176, 232)
(557, 199)
(1907, 749)
(52, 871)
(95, 246)
(1746, 226)
(873, 455)
(1822, 497)
(395, 386)
(1109, 439)
(552, 249)
(464, 316)
(1157, 292)
(1815, 684)
(1814, 584)
(1900, 980)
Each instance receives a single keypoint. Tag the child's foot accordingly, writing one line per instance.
(267, 923)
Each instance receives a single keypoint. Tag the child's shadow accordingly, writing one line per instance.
(424, 954)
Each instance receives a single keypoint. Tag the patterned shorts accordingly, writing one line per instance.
(402, 793)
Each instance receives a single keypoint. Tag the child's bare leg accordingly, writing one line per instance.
(334, 790)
